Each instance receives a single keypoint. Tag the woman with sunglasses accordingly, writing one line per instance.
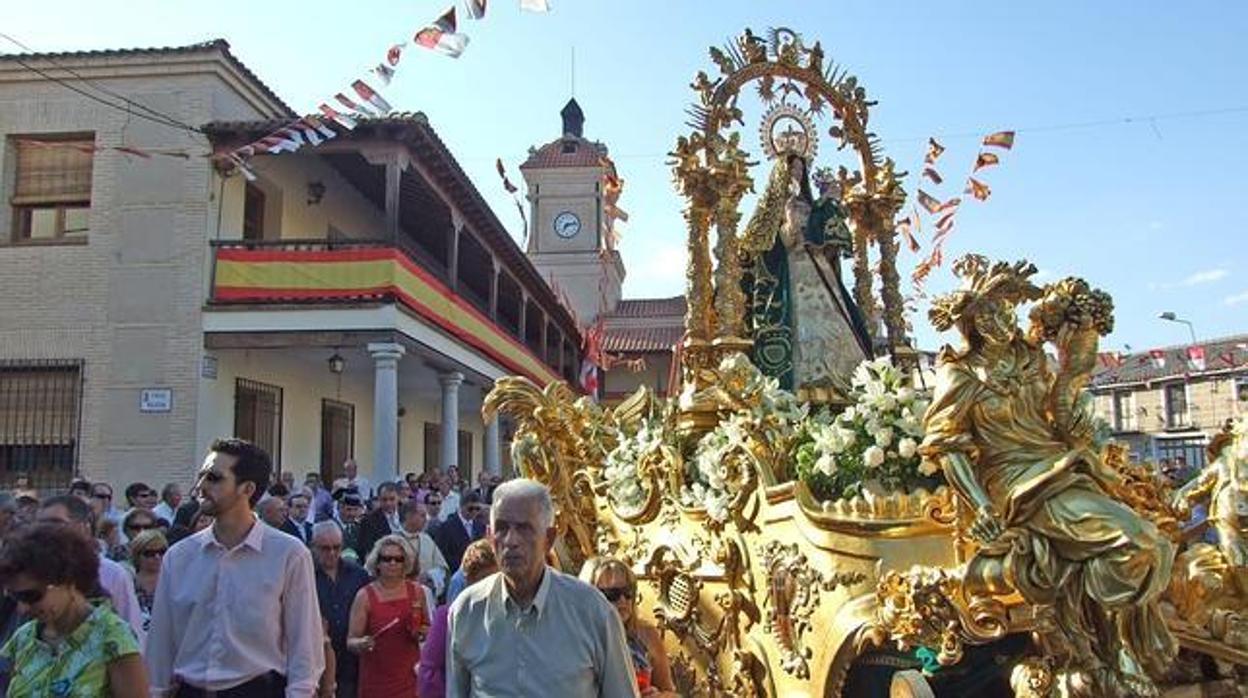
(70, 647)
(147, 551)
(389, 619)
(133, 523)
(618, 584)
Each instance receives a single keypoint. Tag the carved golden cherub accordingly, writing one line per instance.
(1224, 485)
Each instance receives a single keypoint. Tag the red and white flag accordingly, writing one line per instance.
(977, 189)
(929, 202)
(476, 8)
(1000, 139)
(985, 160)
(1196, 357)
(1158, 356)
(442, 37)
(535, 5)
(331, 113)
(369, 95)
(394, 53)
(325, 131)
(353, 106)
(934, 150)
(589, 377)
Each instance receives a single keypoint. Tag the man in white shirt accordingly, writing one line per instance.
(115, 581)
(429, 559)
(236, 606)
(170, 498)
(531, 630)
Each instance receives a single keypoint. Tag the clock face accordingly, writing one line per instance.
(567, 225)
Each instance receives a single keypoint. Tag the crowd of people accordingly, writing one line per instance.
(255, 585)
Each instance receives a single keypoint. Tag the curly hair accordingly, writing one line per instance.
(76, 561)
(479, 560)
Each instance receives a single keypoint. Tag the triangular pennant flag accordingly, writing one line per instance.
(309, 132)
(442, 37)
(325, 131)
(349, 104)
(346, 121)
(985, 160)
(292, 134)
(929, 202)
(977, 189)
(535, 5)
(1000, 139)
(934, 150)
(476, 8)
(383, 72)
(367, 94)
(931, 173)
(394, 53)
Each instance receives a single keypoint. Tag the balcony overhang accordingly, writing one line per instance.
(262, 289)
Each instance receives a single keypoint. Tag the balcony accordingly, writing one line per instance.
(286, 272)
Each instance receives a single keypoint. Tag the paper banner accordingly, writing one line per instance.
(929, 202)
(1000, 139)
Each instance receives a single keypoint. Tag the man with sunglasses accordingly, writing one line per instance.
(115, 582)
(243, 620)
(337, 582)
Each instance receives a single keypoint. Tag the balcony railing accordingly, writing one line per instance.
(300, 271)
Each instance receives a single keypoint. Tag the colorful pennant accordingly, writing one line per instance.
(929, 202)
(1000, 139)
(441, 36)
(934, 149)
(931, 173)
(985, 160)
(977, 189)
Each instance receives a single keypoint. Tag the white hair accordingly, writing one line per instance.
(320, 528)
(529, 490)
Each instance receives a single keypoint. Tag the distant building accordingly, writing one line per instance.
(358, 298)
(1166, 406)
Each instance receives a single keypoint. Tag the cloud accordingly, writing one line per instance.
(1207, 276)
(1236, 299)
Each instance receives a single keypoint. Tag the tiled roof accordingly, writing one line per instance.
(568, 151)
(642, 339)
(214, 45)
(1221, 355)
(650, 307)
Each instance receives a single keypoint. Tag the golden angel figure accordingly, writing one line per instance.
(1016, 441)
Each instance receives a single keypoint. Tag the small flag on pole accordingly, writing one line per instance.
(985, 160)
(1000, 139)
(934, 150)
(977, 189)
(929, 202)
(367, 94)
(442, 37)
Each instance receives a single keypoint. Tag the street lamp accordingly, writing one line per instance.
(1171, 317)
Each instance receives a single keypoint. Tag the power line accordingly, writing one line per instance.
(153, 115)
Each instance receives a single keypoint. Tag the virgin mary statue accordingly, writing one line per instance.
(807, 331)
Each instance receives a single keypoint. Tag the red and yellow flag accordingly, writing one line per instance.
(934, 150)
(977, 189)
(1000, 139)
(985, 160)
(929, 202)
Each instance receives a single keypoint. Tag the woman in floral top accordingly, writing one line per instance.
(70, 648)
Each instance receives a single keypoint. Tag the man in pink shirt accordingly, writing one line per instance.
(235, 612)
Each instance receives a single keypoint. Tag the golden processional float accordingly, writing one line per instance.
(805, 522)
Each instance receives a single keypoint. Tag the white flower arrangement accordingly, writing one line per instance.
(620, 468)
(872, 442)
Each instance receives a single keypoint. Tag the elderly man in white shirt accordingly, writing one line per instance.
(236, 606)
(531, 630)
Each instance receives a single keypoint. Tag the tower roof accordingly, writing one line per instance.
(573, 119)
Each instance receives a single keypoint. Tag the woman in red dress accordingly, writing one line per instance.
(389, 618)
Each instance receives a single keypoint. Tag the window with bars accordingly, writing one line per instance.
(40, 417)
(337, 437)
(433, 448)
(52, 187)
(258, 416)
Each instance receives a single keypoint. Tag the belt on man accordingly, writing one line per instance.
(267, 685)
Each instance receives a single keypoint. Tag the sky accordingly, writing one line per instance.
(1128, 169)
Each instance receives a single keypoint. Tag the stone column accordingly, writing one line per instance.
(450, 421)
(386, 357)
(493, 461)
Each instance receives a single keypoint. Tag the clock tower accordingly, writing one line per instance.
(568, 242)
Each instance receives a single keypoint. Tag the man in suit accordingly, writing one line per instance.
(297, 506)
(455, 533)
(380, 522)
